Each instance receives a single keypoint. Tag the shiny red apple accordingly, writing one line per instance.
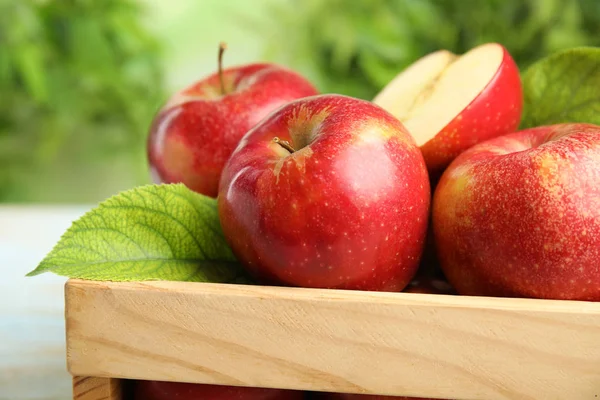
(450, 102)
(519, 215)
(329, 191)
(158, 390)
(193, 135)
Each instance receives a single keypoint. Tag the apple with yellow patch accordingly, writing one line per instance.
(195, 132)
(519, 215)
(450, 102)
(328, 191)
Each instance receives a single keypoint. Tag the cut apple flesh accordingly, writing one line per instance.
(434, 90)
(409, 88)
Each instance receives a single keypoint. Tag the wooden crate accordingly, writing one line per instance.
(441, 346)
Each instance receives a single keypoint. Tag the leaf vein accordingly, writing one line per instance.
(164, 214)
(109, 229)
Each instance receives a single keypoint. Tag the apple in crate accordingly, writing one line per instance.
(158, 390)
(329, 191)
(194, 133)
(519, 215)
(450, 102)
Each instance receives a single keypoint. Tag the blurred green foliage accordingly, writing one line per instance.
(356, 47)
(79, 83)
(80, 80)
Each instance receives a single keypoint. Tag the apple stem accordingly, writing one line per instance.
(222, 47)
(285, 144)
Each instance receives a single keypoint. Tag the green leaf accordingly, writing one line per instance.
(154, 232)
(563, 88)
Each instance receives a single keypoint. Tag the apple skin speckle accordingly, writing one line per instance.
(494, 112)
(363, 208)
(509, 215)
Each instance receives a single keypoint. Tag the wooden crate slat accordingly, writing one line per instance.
(453, 347)
(93, 388)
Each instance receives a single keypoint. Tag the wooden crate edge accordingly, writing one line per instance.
(204, 353)
(95, 388)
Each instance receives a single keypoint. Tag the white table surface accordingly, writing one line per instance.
(32, 332)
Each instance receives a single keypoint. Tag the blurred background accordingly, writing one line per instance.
(80, 80)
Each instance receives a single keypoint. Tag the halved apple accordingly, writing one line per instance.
(450, 102)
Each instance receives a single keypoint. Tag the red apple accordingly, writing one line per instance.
(330, 191)
(157, 390)
(194, 133)
(450, 102)
(519, 215)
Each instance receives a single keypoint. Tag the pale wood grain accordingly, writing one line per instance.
(387, 343)
(92, 388)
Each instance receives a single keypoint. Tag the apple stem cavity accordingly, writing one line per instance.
(285, 144)
(222, 48)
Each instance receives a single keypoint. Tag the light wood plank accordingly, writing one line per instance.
(92, 388)
(344, 341)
